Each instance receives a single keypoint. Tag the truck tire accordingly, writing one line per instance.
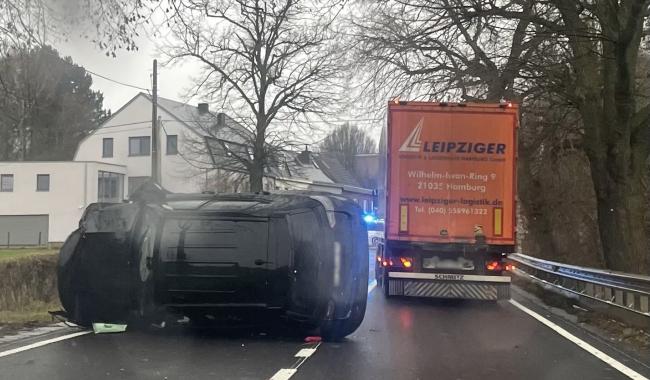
(385, 285)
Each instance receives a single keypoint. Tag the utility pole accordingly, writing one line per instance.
(155, 133)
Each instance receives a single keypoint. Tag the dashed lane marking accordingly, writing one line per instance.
(43, 343)
(284, 374)
(302, 355)
(622, 368)
(305, 353)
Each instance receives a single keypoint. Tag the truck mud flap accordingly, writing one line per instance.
(479, 290)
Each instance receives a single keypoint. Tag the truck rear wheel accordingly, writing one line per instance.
(385, 285)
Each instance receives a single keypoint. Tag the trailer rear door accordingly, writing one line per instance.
(451, 168)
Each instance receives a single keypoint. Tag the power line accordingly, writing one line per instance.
(116, 81)
(184, 121)
(125, 124)
(98, 131)
(94, 73)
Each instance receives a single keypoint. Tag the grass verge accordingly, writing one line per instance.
(23, 253)
(27, 287)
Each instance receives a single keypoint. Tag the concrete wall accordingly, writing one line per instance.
(73, 185)
(179, 173)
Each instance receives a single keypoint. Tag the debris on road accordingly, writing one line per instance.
(313, 339)
(106, 328)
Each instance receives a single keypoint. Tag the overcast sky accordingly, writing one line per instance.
(133, 68)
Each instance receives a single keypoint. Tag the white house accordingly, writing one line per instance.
(42, 202)
(125, 139)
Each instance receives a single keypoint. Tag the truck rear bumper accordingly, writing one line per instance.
(439, 285)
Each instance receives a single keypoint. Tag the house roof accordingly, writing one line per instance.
(315, 167)
(202, 124)
(334, 169)
(187, 114)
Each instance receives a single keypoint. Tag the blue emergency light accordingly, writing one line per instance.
(369, 218)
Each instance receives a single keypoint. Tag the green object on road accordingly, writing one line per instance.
(105, 328)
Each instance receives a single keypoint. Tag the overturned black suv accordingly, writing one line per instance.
(301, 257)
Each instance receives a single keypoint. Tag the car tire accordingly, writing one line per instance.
(335, 331)
(79, 313)
(338, 329)
(66, 270)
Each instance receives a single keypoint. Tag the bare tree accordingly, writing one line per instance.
(584, 53)
(347, 141)
(270, 64)
(111, 24)
(603, 42)
(434, 49)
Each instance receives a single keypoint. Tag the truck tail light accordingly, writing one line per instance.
(493, 266)
(403, 218)
(407, 262)
(404, 262)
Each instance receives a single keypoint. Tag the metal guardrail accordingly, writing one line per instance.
(626, 291)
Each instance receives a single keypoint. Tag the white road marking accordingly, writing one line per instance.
(622, 368)
(305, 352)
(34, 333)
(284, 374)
(372, 286)
(43, 343)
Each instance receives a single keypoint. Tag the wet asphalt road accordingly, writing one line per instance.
(399, 339)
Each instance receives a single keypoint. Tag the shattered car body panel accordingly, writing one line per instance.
(303, 257)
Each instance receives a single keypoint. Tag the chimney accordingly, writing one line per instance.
(221, 119)
(304, 157)
(203, 108)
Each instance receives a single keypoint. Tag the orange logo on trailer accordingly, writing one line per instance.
(413, 142)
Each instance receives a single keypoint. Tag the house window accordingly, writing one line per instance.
(42, 182)
(7, 182)
(109, 187)
(139, 146)
(172, 144)
(135, 183)
(107, 147)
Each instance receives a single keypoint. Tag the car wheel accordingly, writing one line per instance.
(79, 313)
(335, 331)
(339, 329)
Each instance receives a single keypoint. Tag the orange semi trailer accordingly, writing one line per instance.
(450, 200)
